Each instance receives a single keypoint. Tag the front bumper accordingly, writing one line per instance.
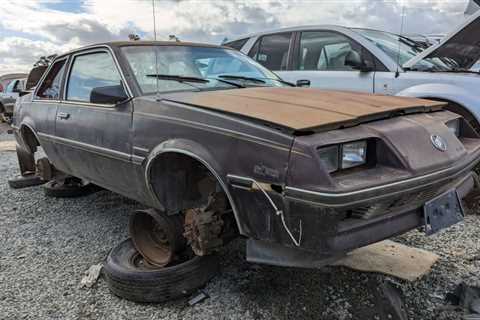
(325, 239)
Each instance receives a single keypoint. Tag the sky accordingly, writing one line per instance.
(30, 29)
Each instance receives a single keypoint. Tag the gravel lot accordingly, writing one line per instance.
(47, 244)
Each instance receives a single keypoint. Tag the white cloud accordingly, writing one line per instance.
(198, 20)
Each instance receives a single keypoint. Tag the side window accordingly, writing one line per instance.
(11, 86)
(272, 51)
(92, 71)
(50, 87)
(328, 51)
(237, 45)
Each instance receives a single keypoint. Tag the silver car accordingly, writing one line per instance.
(8, 98)
(333, 57)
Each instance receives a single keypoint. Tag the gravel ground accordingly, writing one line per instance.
(47, 244)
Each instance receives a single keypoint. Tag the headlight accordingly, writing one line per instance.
(354, 154)
(454, 126)
(344, 156)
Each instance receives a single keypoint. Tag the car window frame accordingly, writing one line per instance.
(291, 44)
(379, 66)
(44, 76)
(66, 79)
(242, 41)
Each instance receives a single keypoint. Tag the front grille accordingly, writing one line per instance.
(413, 199)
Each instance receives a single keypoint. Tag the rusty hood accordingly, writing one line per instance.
(303, 109)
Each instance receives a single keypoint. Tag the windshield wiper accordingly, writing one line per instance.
(238, 85)
(234, 77)
(178, 78)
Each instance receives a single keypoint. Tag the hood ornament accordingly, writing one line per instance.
(438, 142)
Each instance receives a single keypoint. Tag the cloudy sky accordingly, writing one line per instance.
(30, 29)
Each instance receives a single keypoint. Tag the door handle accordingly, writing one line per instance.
(63, 115)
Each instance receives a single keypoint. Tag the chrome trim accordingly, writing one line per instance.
(206, 164)
(117, 155)
(353, 193)
(46, 101)
(86, 104)
(137, 159)
(224, 131)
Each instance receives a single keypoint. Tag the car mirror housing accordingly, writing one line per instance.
(354, 60)
(303, 83)
(108, 95)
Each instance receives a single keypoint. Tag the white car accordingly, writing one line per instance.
(333, 57)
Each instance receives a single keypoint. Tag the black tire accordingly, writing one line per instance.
(56, 189)
(25, 181)
(145, 284)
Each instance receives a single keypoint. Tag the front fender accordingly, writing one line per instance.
(198, 152)
(190, 148)
(448, 92)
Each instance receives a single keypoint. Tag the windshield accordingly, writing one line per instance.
(402, 49)
(219, 67)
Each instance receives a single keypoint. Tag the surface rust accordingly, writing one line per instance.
(304, 108)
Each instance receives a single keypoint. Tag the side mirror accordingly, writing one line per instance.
(108, 95)
(354, 60)
(303, 83)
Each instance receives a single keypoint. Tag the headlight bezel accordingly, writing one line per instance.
(336, 152)
(455, 126)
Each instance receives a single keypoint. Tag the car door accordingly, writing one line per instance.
(39, 112)
(95, 135)
(324, 58)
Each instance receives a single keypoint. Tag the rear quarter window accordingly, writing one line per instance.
(237, 44)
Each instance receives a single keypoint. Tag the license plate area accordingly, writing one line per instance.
(442, 212)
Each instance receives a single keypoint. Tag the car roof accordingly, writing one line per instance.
(118, 44)
(289, 29)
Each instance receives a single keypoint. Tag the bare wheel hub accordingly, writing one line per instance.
(204, 226)
(157, 236)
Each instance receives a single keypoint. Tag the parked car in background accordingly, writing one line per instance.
(6, 78)
(333, 57)
(9, 96)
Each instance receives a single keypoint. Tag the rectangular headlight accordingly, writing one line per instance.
(344, 156)
(329, 157)
(354, 154)
(454, 126)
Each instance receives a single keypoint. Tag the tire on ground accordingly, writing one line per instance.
(127, 280)
(58, 190)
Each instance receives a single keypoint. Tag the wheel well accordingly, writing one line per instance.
(30, 138)
(181, 182)
(2, 108)
(461, 110)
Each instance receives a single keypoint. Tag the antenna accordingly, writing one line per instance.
(155, 48)
(397, 73)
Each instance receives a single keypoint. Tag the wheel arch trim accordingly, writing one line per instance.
(178, 146)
